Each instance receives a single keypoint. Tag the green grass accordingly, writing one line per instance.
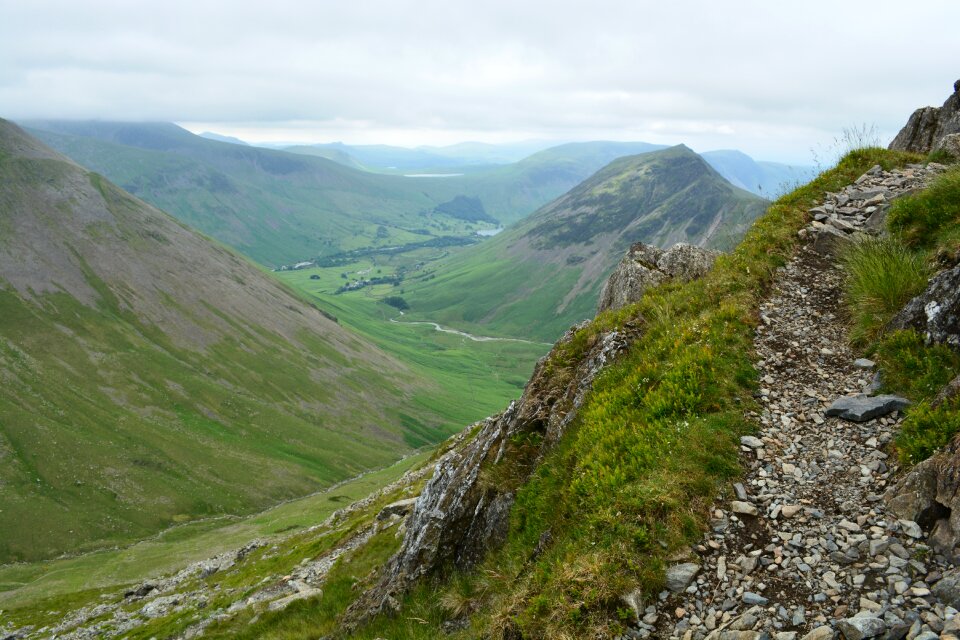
(472, 379)
(918, 371)
(28, 591)
(882, 276)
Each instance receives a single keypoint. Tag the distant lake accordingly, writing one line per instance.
(486, 233)
(431, 175)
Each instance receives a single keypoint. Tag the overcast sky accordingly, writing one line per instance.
(775, 79)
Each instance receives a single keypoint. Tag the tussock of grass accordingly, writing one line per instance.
(882, 276)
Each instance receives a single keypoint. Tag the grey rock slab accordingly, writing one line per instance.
(743, 508)
(864, 363)
(753, 598)
(858, 628)
(824, 632)
(861, 408)
(751, 441)
(679, 576)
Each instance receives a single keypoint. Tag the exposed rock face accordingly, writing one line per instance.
(936, 311)
(645, 266)
(928, 126)
(463, 510)
(930, 496)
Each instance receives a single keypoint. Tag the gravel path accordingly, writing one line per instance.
(806, 549)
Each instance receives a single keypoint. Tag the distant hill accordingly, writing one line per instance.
(767, 179)
(275, 207)
(220, 138)
(151, 376)
(280, 208)
(463, 155)
(544, 274)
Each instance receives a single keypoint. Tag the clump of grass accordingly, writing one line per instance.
(915, 369)
(882, 275)
(926, 430)
(930, 220)
(919, 371)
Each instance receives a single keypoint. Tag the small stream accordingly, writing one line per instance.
(463, 333)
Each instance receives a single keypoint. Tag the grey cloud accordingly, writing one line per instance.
(763, 76)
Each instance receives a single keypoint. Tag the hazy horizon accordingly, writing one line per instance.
(773, 81)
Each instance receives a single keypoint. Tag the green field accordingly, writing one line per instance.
(473, 379)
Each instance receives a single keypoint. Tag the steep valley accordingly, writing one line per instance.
(152, 377)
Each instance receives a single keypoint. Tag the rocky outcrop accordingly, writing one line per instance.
(930, 496)
(936, 312)
(646, 266)
(928, 127)
(463, 510)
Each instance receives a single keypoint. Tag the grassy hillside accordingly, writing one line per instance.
(151, 376)
(276, 207)
(544, 274)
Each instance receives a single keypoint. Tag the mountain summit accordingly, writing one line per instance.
(545, 273)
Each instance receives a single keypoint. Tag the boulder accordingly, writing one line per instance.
(830, 241)
(861, 408)
(860, 627)
(398, 508)
(936, 312)
(949, 144)
(947, 589)
(646, 266)
(929, 125)
(930, 495)
(679, 576)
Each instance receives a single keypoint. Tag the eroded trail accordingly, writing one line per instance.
(806, 547)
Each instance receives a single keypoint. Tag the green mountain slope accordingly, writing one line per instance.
(149, 376)
(275, 207)
(544, 274)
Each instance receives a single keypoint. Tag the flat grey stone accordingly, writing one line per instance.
(858, 628)
(861, 408)
(752, 598)
(751, 441)
(743, 508)
(680, 575)
(864, 363)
